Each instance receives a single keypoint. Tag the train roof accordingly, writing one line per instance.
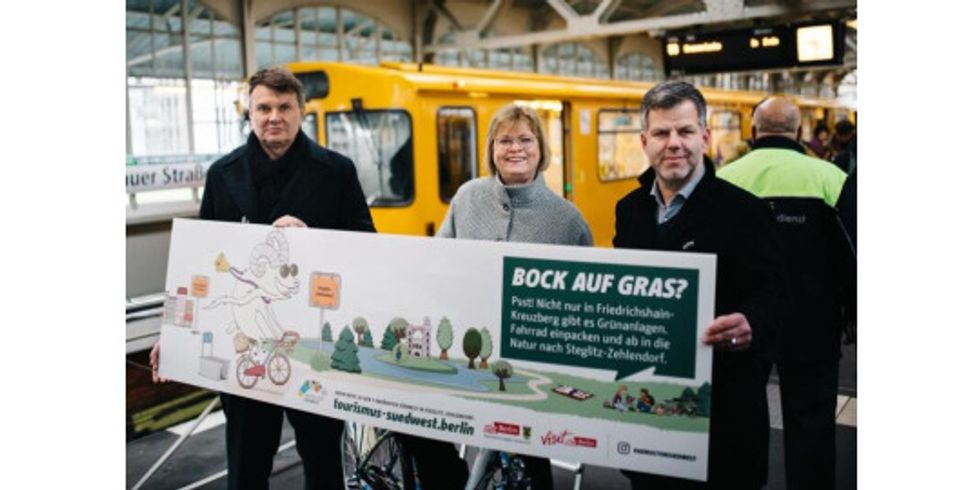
(436, 78)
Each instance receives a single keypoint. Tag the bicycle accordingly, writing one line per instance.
(497, 470)
(500, 470)
(374, 460)
(251, 366)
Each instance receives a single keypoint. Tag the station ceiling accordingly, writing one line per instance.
(433, 26)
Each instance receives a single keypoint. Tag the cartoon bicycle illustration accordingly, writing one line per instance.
(258, 363)
(269, 278)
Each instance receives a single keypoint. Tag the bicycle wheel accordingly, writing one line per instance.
(387, 466)
(354, 446)
(245, 380)
(279, 369)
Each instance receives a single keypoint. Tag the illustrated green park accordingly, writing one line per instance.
(403, 356)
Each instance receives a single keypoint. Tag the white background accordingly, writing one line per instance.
(64, 115)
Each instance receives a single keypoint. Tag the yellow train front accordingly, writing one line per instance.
(417, 132)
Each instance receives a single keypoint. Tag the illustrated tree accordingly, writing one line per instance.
(344, 355)
(360, 326)
(368, 340)
(319, 361)
(326, 334)
(704, 400)
(388, 341)
(687, 394)
(444, 336)
(472, 342)
(398, 351)
(398, 326)
(503, 370)
(486, 347)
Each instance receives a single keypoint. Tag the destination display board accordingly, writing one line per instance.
(575, 353)
(755, 49)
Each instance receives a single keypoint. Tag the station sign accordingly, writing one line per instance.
(165, 176)
(785, 46)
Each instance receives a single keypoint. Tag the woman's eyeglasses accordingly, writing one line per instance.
(526, 142)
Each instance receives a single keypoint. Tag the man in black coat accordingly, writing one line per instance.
(682, 206)
(283, 178)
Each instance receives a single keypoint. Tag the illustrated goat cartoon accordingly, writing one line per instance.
(269, 278)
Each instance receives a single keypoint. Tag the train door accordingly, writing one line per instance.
(456, 140)
(552, 114)
(726, 134)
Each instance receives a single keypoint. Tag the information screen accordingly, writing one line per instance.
(763, 48)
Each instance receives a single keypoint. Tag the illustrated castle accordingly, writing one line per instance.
(418, 339)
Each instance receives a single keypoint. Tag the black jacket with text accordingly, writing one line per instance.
(821, 265)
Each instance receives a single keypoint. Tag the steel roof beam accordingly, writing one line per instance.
(581, 27)
(566, 12)
(440, 6)
(606, 9)
(472, 36)
(490, 16)
(723, 7)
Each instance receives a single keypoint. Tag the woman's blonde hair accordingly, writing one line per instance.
(513, 113)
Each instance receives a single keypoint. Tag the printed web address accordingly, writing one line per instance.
(663, 454)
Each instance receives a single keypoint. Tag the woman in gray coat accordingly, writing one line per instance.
(512, 204)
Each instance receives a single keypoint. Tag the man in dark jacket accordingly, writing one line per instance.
(283, 178)
(682, 206)
(821, 268)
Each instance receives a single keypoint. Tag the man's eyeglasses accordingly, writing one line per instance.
(526, 142)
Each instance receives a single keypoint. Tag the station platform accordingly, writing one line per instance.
(200, 461)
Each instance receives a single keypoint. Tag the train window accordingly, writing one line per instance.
(309, 126)
(620, 153)
(380, 143)
(726, 135)
(456, 139)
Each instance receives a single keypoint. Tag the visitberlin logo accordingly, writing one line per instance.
(567, 438)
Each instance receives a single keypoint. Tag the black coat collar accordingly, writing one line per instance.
(691, 213)
(777, 142)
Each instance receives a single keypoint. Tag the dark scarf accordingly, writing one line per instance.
(270, 177)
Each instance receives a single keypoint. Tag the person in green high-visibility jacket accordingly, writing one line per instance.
(802, 192)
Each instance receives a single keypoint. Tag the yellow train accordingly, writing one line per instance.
(417, 132)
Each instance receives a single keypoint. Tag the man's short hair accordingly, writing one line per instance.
(669, 94)
(844, 128)
(280, 80)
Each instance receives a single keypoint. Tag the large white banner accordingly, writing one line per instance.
(581, 354)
